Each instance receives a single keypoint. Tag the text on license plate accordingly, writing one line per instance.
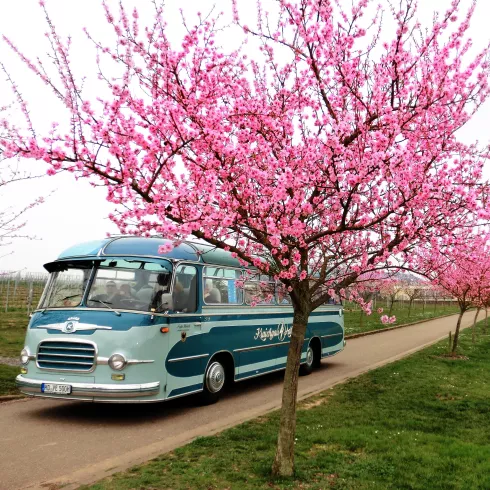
(56, 388)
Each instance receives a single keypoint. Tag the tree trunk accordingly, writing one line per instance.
(409, 307)
(473, 329)
(391, 306)
(284, 460)
(361, 320)
(456, 333)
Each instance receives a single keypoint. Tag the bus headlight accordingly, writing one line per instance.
(117, 362)
(24, 356)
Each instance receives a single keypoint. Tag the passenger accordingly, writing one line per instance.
(125, 291)
(163, 285)
(111, 290)
(179, 297)
(282, 298)
(123, 298)
(108, 297)
(211, 294)
(142, 291)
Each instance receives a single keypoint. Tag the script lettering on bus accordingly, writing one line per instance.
(281, 332)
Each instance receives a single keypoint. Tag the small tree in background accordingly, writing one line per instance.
(327, 154)
(413, 288)
(463, 272)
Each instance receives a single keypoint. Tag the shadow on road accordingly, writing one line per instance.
(116, 414)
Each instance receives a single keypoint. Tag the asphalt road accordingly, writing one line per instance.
(44, 443)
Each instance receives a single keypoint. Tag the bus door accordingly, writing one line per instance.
(186, 358)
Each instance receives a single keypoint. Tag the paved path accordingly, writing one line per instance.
(44, 442)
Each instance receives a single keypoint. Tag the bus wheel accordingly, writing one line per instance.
(214, 382)
(311, 361)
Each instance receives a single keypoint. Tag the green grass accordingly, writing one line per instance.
(352, 317)
(13, 326)
(7, 380)
(420, 423)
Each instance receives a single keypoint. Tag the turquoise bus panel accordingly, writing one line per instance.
(87, 249)
(215, 256)
(102, 318)
(137, 246)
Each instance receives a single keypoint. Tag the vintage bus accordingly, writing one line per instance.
(125, 320)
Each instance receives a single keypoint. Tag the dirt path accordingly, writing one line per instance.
(44, 443)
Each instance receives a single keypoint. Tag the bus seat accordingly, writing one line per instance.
(192, 296)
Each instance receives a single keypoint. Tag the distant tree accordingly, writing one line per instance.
(390, 288)
(463, 272)
(319, 159)
(413, 288)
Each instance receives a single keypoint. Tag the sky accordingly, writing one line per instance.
(73, 210)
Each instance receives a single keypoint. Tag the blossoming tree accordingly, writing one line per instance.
(12, 218)
(327, 153)
(463, 271)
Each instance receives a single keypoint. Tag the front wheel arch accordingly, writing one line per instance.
(219, 373)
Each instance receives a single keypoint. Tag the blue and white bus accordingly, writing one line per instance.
(124, 320)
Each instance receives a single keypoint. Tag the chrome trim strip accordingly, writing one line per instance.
(76, 356)
(332, 335)
(104, 361)
(77, 327)
(205, 311)
(111, 239)
(33, 387)
(261, 374)
(98, 400)
(178, 359)
(183, 394)
(331, 355)
(260, 347)
(139, 361)
(71, 362)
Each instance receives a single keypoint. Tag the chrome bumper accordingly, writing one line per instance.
(88, 391)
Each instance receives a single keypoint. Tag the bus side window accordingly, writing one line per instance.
(185, 289)
(219, 286)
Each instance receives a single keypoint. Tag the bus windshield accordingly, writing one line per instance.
(66, 285)
(130, 284)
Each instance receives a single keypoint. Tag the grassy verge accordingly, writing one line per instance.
(13, 326)
(352, 317)
(7, 380)
(422, 422)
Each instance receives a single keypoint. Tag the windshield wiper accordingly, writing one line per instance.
(69, 297)
(106, 305)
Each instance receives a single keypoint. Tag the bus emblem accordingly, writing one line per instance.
(183, 336)
(69, 327)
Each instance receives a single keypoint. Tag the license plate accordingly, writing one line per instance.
(55, 388)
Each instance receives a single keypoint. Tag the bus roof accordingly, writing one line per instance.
(149, 247)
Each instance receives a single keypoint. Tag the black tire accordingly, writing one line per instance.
(214, 382)
(312, 360)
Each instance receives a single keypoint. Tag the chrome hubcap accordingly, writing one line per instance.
(215, 377)
(309, 356)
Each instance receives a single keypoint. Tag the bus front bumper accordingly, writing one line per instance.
(89, 391)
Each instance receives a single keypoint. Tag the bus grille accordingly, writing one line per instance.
(66, 356)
